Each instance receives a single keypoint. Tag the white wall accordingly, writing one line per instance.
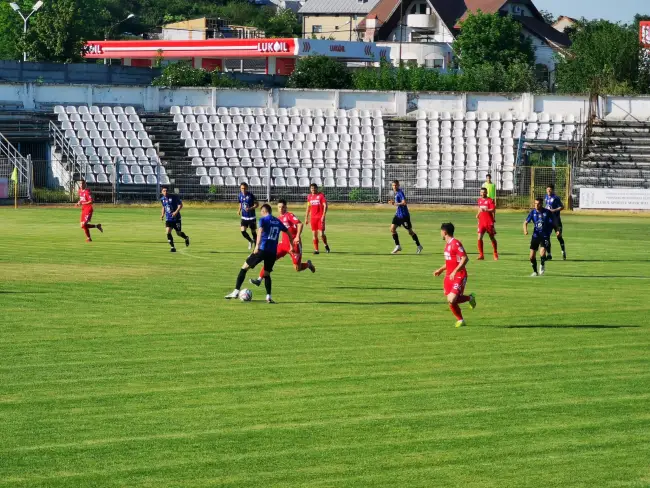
(29, 96)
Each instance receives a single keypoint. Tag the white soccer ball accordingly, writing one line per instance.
(245, 295)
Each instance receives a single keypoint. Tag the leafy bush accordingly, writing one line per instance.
(320, 72)
(362, 195)
(182, 74)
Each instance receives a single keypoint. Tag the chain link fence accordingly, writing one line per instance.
(371, 186)
(585, 177)
(11, 191)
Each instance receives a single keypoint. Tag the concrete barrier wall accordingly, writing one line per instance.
(30, 96)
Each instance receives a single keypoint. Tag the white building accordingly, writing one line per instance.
(423, 31)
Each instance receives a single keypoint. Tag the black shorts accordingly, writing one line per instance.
(267, 257)
(249, 224)
(537, 242)
(405, 222)
(174, 224)
(558, 225)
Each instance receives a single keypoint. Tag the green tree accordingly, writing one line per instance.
(492, 38)
(11, 31)
(549, 18)
(320, 72)
(60, 30)
(604, 58)
(283, 24)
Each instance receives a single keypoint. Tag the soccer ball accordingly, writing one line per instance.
(245, 295)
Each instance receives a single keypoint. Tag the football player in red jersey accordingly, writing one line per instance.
(317, 210)
(485, 216)
(86, 202)
(292, 247)
(456, 277)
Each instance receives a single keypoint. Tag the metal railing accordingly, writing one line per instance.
(13, 159)
(77, 165)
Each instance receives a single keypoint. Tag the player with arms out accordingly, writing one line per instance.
(171, 213)
(555, 206)
(402, 218)
(86, 203)
(247, 205)
(292, 246)
(316, 212)
(265, 251)
(456, 273)
(485, 216)
(542, 219)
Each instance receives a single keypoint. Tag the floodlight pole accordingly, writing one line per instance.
(35, 8)
(108, 30)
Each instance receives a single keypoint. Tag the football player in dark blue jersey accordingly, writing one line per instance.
(247, 205)
(553, 203)
(542, 219)
(402, 218)
(265, 251)
(171, 212)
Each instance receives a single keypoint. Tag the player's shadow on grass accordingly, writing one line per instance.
(580, 326)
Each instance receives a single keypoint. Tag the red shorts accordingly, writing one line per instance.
(318, 224)
(487, 229)
(86, 215)
(457, 286)
(296, 255)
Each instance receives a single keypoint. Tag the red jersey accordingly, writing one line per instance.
(316, 205)
(85, 199)
(454, 252)
(291, 222)
(486, 219)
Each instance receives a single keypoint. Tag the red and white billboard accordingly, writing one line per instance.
(236, 48)
(644, 33)
(212, 48)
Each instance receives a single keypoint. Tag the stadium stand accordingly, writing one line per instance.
(440, 156)
(107, 137)
(283, 147)
(618, 156)
(456, 149)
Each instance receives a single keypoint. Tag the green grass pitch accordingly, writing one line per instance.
(121, 365)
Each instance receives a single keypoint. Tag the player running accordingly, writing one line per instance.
(265, 251)
(485, 216)
(171, 212)
(456, 260)
(247, 205)
(316, 212)
(542, 219)
(402, 218)
(86, 202)
(292, 246)
(554, 205)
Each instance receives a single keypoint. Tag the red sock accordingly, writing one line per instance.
(324, 239)
(455, 309)
(463, 299)
(304, 266)
(494, 245)
(87, 232)
(480, 247)
(315, 241)
(262, 273)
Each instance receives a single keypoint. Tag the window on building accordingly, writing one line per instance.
(316, 29)
(433, 63)
(419, 8)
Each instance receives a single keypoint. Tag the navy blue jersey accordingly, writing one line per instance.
(247, 200)
(543, 221)
(402, 211)
(271, 229)
(171, 203)
(552, 202)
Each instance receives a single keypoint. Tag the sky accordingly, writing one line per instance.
(617, 10)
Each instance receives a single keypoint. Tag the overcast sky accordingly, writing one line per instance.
(614, 10)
